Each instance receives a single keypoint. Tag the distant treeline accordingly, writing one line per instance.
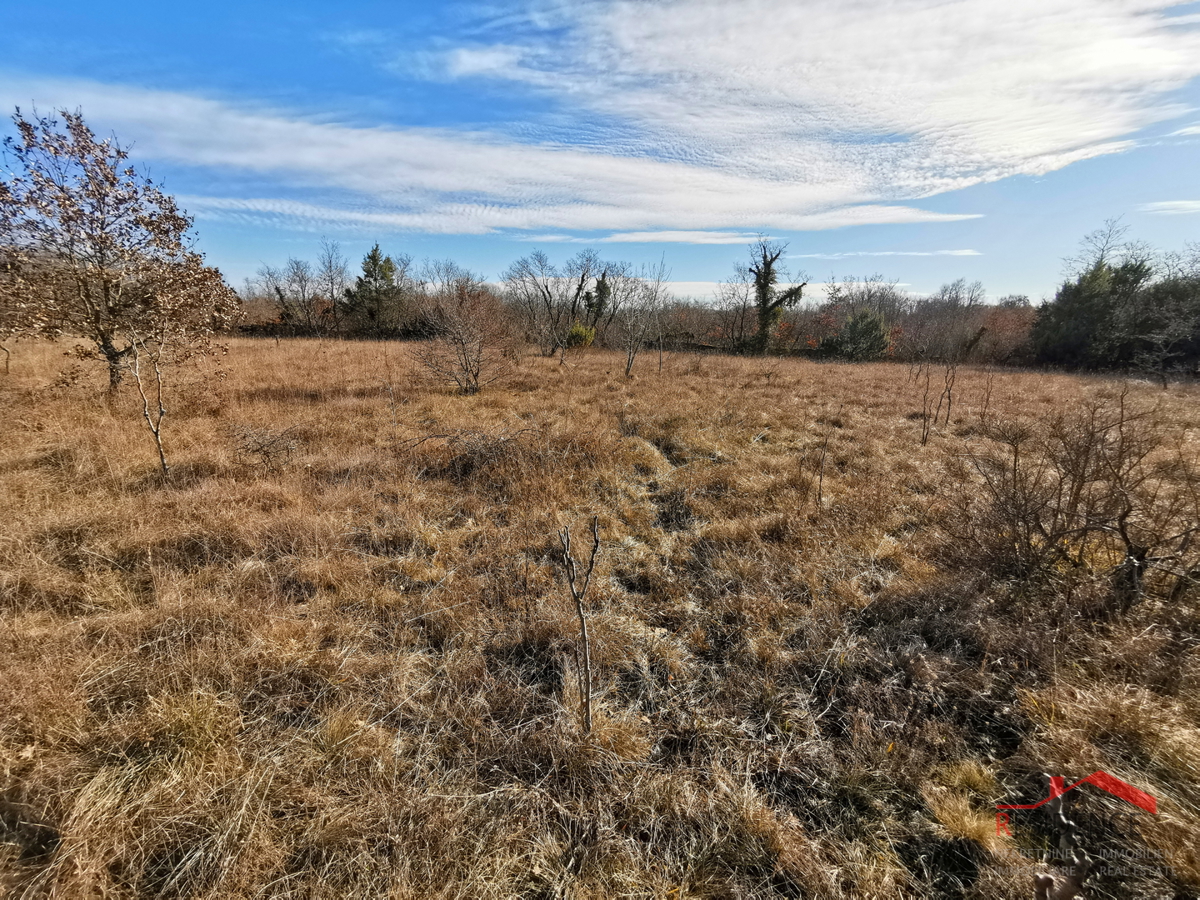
(1124, 307)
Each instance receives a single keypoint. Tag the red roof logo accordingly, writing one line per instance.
(1102, 780)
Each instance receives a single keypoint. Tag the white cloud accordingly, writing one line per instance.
(462, 182)
(884, 253)
(1189, 130)
(649, 237)
(699, 121)
(903, 99)
(1172, 207)
(465, 218)
(494, 61)
(700, 290)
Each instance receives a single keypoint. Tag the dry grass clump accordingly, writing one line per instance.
(820, 651)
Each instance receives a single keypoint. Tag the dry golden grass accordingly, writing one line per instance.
(349, 671)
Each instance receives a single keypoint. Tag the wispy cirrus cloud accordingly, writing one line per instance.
(856, 253)
(468, 219)
(648, 237)
(696, 121)
(1172, 207)
(447, 181)
(905, 99)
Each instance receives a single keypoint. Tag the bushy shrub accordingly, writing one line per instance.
(580, 336)
(1126, 307)
(864, 337)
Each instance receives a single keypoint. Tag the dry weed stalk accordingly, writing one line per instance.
(928, 420)
(824, 451)
(578, 588)
(989, 383)
(949, 376)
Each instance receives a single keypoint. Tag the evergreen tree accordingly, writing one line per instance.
(864, 337)
(1092, 321)
(596, 303)
(374, 299)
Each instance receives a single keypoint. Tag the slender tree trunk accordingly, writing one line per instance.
(116, 363)
(578, 593)
(153, 409)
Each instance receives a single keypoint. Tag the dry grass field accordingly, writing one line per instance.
(334, 655)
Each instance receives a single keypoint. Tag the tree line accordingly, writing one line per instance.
(90, 248)
(1127, 306)
(1122, 307)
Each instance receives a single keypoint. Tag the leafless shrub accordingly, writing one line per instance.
(270, 448)
(931, 410)
(469, 350)
(145, 363)
(1097, 490)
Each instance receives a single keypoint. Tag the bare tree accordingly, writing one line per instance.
(303, 302)
(552, 299)
(470, 347)
(94, 249)
(958, 295)
(615, 287)
(333, 277)
(640, 320)
(947, 325)
(874, 293)
(293, 291)
(1105, 245)
(735, 305)
(441, 277)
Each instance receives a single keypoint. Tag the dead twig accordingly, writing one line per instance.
(578, 588)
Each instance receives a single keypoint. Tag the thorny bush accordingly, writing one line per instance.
(1101, 490)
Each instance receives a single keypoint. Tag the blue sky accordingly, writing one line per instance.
(926, 140)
